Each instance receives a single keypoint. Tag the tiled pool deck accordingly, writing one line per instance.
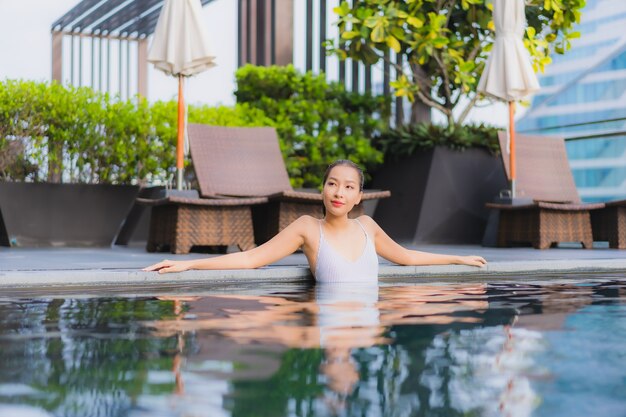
(121, 266)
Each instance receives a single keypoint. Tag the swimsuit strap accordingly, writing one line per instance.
(362, 228)
(357, 221)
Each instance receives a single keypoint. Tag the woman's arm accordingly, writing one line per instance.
(392, 251)
(284, 243)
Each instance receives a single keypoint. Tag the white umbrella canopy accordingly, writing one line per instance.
(180, 47)
(508, 73)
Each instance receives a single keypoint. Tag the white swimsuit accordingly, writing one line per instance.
(333, 267)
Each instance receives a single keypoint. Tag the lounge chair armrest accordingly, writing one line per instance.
(503, 206)
(374, 194)
(298, 195)
(616, 203)
(548, 206)
(555, 201)
(570, 206)
(202, 201)
(309, 196)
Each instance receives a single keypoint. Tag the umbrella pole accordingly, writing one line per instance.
(180, 144)
(512, 146)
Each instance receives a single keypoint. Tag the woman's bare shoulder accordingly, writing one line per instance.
(306, 222)
(369, 223)
(366, 220)
(307, 227)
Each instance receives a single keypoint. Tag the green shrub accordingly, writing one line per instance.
(317, 121)
(74, 134)
(50, 132)
(410, 139)
(17, 107)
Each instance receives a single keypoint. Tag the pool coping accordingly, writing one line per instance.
(495, 271)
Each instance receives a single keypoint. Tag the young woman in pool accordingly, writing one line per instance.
(339, 249)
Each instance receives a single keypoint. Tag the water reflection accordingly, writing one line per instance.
(80, 356)
(331, 315)
(330, 350)
(350, 325)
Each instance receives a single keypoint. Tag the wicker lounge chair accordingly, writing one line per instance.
(247, 162)
(179, 223)
(554, 213)
(609, 224)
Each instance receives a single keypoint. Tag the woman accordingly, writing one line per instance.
(337, 248)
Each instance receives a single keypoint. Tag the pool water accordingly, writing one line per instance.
(550, 348)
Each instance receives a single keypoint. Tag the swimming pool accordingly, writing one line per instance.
(552, 348)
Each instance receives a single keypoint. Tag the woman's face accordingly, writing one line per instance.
(342, 190)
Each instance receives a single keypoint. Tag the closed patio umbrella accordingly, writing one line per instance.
(180, 48)
(508, 73)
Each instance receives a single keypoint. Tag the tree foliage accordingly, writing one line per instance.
(444, 43)
(317, 121)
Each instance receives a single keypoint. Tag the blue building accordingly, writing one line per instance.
(583, 98)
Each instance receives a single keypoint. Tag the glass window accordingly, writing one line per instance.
(589, 178)
(557, 79)
(590, 92)
(617, 63)
(601, 177)
(596, 148)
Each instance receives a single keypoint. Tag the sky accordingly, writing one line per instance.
(25, 48)
(25, 52)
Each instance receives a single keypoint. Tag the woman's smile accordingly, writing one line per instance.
(337, 203)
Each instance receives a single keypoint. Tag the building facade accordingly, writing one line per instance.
(583, 98)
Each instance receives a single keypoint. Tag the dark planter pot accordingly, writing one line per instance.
(42, 214)
(439, 195)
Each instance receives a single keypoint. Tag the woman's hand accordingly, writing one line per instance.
(169, 266)
(471, 260)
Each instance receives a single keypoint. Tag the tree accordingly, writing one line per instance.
(444, 44)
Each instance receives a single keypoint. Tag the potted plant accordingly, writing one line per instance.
(71, 163)
(439, 52)
(440, 178)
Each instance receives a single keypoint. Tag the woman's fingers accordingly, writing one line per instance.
(159, 266)
(480, 260)
(476, 260)
(153, 267)
(172, 267)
